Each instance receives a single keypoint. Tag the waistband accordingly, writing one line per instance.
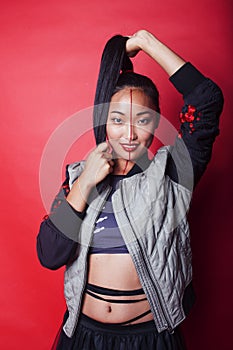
(139, 328)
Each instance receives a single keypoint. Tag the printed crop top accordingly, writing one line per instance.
(107, 238)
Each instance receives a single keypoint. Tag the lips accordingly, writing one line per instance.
(129, 147)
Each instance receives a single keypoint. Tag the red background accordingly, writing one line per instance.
(49, 59)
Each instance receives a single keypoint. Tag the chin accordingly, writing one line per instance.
(129, 156)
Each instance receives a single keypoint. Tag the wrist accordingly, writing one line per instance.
(85, 182)
(147, 41)
(161, 53)
(79, 193)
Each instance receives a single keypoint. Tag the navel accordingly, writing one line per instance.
(109, 309)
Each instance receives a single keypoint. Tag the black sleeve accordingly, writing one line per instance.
(57, 240)
(203, 103)
(53, 248)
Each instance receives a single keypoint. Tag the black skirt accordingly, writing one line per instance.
(94, 335)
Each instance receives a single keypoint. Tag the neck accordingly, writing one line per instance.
(122, 166)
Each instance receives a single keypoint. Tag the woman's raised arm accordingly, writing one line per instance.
(203, 103)
(163, 55)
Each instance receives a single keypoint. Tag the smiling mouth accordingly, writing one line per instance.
(129, 147)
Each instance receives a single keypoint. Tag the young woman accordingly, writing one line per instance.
(119, 222)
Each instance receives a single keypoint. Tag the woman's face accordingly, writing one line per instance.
(131, 123)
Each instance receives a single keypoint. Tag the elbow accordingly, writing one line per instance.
(218, 98)
(53, 249)
(221, 100)
(48, 264)
(47, 260)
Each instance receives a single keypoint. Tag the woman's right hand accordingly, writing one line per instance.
(98, 165)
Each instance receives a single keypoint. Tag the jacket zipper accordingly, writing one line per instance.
(161, 304)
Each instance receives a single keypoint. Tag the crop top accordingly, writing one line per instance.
(107, 237)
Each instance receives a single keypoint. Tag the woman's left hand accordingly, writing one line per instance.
(132, 45)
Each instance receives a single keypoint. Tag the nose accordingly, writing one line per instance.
(130, 131)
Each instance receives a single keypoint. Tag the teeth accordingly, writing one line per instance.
(130, 146)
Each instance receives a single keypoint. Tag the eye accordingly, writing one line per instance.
(144, 121)
(116, 120)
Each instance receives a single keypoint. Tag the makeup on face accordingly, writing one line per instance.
(130, 125)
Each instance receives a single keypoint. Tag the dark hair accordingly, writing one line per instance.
(116, 73)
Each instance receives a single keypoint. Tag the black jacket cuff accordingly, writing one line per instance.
(186, 78)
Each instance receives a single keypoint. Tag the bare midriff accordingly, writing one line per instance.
(114, 271)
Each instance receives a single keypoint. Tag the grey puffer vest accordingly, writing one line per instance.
(151, 212)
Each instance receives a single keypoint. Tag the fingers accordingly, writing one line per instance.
(110, 166)
(107, 155)
(105, 150)
(132, 47)
(102, 147)
(108, 158)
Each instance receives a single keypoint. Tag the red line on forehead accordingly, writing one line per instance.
(130, 125)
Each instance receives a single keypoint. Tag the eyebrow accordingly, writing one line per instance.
(117, 112)
(138, 114)
(145, 112)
